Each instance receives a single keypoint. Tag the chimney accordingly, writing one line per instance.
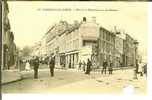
(84, 19)
(94, 19)
(116, 30)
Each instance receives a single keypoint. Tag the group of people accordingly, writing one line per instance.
(141, 69)
(35, 63)
(88, 68)
(105, 65)
(82, 65)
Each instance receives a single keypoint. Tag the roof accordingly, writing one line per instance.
(90, 38)
(101, 27)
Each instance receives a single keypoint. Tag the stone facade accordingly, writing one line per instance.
(69, 41)
(129, 51)
(118, 51)
(72, 43)
(106, 46)
(9, 47)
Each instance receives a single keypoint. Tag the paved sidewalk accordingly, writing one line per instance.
(9, 76)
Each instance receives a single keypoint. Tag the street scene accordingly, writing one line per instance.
(53, 47)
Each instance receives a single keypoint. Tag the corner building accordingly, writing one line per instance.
(71, 43)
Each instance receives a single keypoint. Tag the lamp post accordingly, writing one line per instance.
(136, 62)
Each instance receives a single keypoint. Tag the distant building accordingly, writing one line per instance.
(36, 49)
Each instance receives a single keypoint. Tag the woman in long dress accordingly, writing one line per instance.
(27, 67)
(140, 69)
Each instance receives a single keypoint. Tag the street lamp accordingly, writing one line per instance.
(136, 62)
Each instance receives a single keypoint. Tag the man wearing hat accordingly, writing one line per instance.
(36, 66)
(52, 65)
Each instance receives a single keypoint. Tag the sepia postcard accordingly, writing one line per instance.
(74, 47)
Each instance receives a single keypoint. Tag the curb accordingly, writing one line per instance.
(5, 83)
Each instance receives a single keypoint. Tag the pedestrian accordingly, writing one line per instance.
(36, 66)
(89, 64)
(20, 64)
(137, 67)
(84, 64)
(140, 69)
(52, 65)
(64, 65)
(104, 66)
(27, 66)
(80, 65)
(110, 68)
(145, 69)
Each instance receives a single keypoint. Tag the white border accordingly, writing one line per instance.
(95, 96)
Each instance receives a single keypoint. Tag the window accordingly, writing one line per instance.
(104, 46)
(104, 35)
(107, 36)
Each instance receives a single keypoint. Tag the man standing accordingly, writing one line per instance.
(52, 65)
(84, 64)
(110, 68)
(140, 69)
(36, 66)
(80, 65)
(145, 69)
(20, 65)
(104, 66)
(89, 64)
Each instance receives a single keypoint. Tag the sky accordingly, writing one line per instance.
(31, 20)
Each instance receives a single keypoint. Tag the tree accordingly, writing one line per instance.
(26, 51)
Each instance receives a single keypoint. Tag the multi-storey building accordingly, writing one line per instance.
(119, 50)
(89, 32)
(43, 49)
(129, 51)
(54, 41)
(71, 43)
(117, 47)
(106, 46)
(72, 46)
(8, 45)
